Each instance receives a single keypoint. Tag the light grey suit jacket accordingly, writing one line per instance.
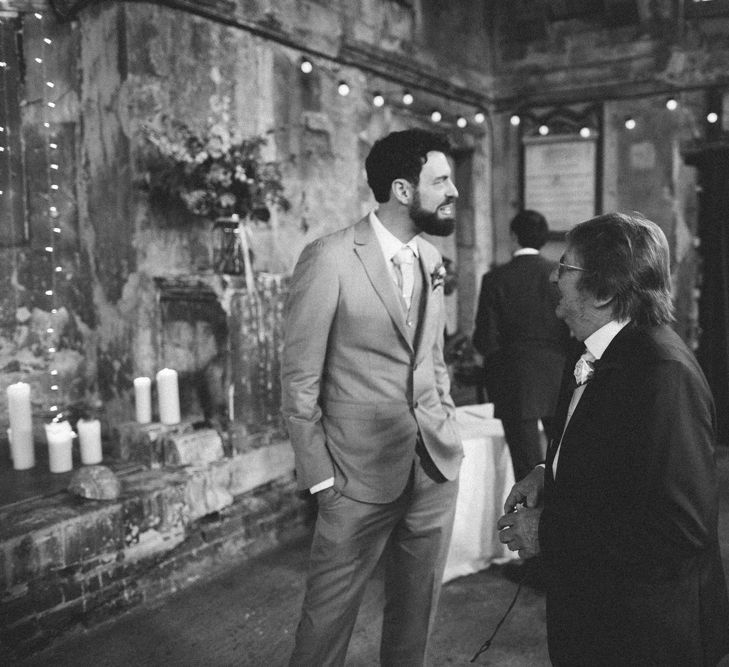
(355, 390)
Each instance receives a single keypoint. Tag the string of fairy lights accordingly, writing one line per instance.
(5, 150)
(629, 122)
(51, 212)
(405, 98)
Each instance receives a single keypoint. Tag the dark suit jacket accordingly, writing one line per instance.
(629, 528)
(357, 389)
(522, 340)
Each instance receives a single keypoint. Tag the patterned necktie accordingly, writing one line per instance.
(403, 261)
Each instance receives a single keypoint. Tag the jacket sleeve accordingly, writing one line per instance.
(485, 334)
(310, 310)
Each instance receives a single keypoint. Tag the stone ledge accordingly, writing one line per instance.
(67, 563)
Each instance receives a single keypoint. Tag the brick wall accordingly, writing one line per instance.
(68, 563)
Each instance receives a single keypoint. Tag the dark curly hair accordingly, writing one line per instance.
(626, 257)
(400, 155)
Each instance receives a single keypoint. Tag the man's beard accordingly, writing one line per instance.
(429, 221)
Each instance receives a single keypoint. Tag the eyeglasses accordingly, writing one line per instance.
(562, 267)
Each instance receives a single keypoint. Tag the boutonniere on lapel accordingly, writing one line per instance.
(438, 276)
(585, 369)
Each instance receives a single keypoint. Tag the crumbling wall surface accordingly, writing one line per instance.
(47, 319)
(67, 564)
(118, 66)
(649, 41)
(550, 57)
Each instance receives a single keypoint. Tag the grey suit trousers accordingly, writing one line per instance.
(413, 532)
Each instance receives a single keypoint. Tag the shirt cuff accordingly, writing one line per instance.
(321, 486)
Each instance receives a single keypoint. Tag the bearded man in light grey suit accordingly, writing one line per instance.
(366, 398)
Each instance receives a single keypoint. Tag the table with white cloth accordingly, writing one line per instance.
(486, 478)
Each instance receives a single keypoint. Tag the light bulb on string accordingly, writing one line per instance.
(461, 122)
(712, 117)
(544, 130)
(515, 120)
(479, 117)
(630, 123)
(3, 134)
(378, 100)
(671, 104)
(407, 98)
(53, 168)
(306, 66)
(343, 88)
(436, 116)
(585, 132)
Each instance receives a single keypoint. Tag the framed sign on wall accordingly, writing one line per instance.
(560, 179)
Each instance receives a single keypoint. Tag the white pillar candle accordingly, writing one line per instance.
(143, 399)
(59, 436)
(89, 437)
(168, 396)
(21, 426)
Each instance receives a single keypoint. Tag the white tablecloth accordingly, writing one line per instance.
(486, 479)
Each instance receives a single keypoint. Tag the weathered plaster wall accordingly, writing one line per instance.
(629, 71)
(123, 63)
(119, 64)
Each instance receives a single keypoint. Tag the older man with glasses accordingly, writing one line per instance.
(624, 513)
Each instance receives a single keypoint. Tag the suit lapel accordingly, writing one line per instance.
(612, 359)
(427, 264)
(370, 254)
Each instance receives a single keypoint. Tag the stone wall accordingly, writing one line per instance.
(67, 563)
(118, 65)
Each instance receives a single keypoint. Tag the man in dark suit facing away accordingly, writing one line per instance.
(624, 514)
(522, 341)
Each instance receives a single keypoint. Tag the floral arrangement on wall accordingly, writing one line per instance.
(213, 174)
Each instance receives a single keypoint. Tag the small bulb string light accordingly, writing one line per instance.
(54, 230)
(406, 101)
(5, 149)
(306, 66)
(378, 98)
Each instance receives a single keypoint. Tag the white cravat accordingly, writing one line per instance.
(403, 261)
(584, 370)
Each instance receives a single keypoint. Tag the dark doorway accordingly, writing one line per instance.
(712, 163)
